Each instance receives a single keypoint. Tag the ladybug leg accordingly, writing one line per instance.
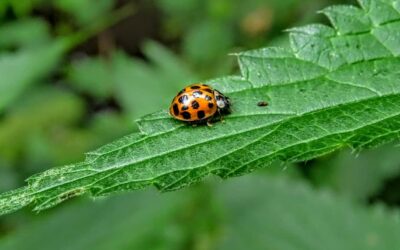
(194, 123)
(209, 123)
(221, 117)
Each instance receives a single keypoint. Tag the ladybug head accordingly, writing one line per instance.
(223, 102)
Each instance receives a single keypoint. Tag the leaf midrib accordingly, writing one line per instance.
(254, 160)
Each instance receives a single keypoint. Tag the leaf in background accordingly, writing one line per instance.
(26, 67)
(274, 213)
(8, 178)
(180, 8)
(335, 88)
(259, 213)
(20, 8)
(37, 112)
(85, 11)
(215, 39)
(92, 76)
(19, 70)
(358, 176)
(167, 64)
(27, 33)
(110, 125)
(142, 220)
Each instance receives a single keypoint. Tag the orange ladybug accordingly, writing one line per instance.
(198, 103)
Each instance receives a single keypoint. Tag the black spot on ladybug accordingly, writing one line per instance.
(195, 105)
(176, 109)
(208, 98)
(183, 99)
(197, 94)
(210, 105)
(208, 90)
(195, 87)
(200, 114)
(184, 107)
(262, 104)
(186, 115)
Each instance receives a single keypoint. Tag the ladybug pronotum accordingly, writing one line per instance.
(199, 103)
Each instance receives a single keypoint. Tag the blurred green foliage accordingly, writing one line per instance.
(65, 90)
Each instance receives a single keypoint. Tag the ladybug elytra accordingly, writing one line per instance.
(198, 103)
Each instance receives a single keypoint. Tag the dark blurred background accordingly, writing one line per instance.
(75, 74)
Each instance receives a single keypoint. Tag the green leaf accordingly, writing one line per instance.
(20, 8)
(93, 76)
(21, 69)
(8, 177)
(216, 36)
(27, 33)
(85, 11)
(330, 90)
(358, 177)
(27, 66)
(142, 220)
(274, 213)
(38, 111)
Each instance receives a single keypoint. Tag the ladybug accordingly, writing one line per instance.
(199, 103)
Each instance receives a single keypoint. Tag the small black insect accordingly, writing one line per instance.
(262, 104)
